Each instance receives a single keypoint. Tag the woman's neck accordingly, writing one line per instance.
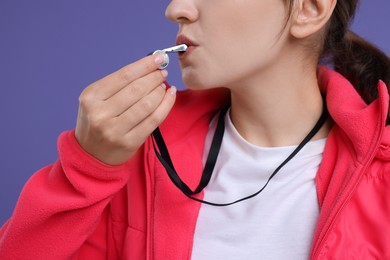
(278, 111)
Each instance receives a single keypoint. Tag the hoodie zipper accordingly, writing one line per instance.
(348, 194)
(338, 209)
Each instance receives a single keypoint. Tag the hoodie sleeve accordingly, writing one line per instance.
(61, 206)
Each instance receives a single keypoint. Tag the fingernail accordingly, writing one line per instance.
(164, 73)
(158, 59)
(173, 90)
(164, 86)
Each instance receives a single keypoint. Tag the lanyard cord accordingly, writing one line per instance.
(163, 156)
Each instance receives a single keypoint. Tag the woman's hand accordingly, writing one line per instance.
(118, 112)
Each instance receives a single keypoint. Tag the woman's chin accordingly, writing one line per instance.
(197, 82)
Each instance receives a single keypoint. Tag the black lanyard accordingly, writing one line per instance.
(163, 156)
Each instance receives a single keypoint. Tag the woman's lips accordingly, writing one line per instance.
(182, 39)
(185, 54)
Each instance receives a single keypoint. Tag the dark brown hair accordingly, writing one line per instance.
(356, 59)
(359, 61)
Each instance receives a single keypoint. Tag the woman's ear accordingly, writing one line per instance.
(310, 16)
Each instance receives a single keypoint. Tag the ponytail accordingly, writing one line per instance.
(359, 61)
(362, 64)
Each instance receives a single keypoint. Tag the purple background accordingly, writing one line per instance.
(51, 50)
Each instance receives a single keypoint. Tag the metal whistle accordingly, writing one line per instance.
(178, 48)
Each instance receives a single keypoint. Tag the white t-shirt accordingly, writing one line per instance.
(277, 224)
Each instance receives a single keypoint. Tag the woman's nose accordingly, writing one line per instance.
(182, 11)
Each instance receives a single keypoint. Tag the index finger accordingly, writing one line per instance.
(114, 82)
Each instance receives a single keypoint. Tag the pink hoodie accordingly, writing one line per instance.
(80, 208)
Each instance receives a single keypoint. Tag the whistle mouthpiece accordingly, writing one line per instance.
(178, 48)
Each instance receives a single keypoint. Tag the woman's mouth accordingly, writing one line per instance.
(182, 39)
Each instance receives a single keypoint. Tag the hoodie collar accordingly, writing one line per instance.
(363, 124)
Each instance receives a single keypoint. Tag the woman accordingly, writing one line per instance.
(326, 197)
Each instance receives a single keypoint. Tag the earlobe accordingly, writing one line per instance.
(310, 16)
